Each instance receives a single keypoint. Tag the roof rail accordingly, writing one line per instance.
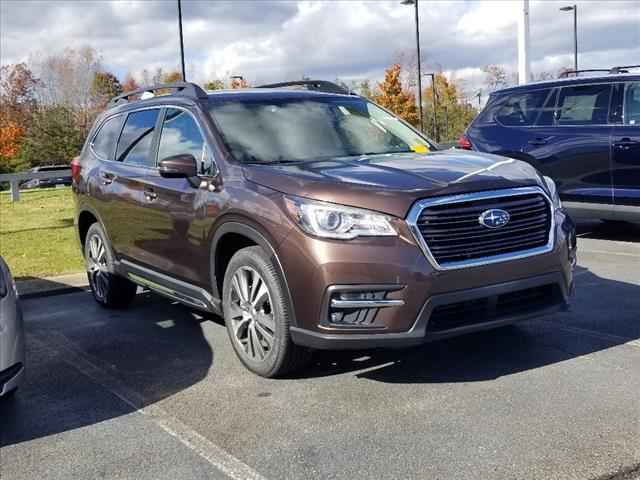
(184, 89)
(612, 71)
(566, 73)
(316, 85)
(623, 69)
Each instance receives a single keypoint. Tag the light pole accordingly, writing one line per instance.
(574, 8)
(435, 105)
(415, 4)
(184, 75)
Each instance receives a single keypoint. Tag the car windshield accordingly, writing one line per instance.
(291, 130)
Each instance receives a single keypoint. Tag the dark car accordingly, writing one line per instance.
(62, 180)
(308, 220)
(584, 132)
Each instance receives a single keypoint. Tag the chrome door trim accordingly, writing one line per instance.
(416, 210)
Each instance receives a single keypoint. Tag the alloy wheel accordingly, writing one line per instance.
(97, 266)
(251, 314)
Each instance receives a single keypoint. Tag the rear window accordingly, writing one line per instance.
(584, 105)
(134, 146)
(522, 108)
(632, 104)
(104, 143)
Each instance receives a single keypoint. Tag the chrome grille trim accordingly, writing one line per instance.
(419, 206)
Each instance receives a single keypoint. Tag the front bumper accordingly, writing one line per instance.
(420, 333)
(411, 278)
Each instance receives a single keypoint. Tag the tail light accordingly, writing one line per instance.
(464, 143)
(75, 169)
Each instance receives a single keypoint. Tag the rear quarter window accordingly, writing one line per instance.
(104, 142)
(522, 109)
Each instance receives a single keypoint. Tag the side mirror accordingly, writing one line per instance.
(178, 166)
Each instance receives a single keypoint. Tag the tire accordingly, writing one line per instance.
(10, 395)
(259, 329)
(109, 289)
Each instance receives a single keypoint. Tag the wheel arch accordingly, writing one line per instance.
(231, 237)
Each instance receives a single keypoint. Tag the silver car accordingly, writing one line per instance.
(11, 333)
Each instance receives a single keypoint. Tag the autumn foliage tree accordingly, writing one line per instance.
(393, 96)
(17, 105)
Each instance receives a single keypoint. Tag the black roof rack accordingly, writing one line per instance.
(612, 71)
(566, 73)
(316, 85)
(184, 89)
(623, 69)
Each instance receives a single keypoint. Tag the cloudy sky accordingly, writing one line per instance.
(275, 40)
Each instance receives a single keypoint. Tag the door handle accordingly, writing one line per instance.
(107, 178)
(538, 141)
(625, 143)
(150, 195)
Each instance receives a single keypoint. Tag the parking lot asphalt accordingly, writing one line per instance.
(156, 392)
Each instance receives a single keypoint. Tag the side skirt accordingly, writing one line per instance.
(183, 292)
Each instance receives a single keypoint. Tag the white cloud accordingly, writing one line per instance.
(275, 40)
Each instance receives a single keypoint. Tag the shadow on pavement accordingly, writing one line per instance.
(154, 348)
(620, 231)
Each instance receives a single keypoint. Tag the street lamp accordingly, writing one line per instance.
(436, 137)
(184, 75)
(415, 4)
(574, 8)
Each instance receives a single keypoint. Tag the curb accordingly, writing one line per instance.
(52, 292)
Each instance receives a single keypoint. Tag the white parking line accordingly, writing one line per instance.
(605, 252)
(88, 366)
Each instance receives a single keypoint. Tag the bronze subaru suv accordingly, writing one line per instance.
(313, 219)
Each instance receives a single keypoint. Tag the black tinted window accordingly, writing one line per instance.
(584, 105)
(180, 135)
(104, 143)
(135, 142)
(632, 104)
(522, 109)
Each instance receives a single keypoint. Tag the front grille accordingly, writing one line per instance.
(453, 232)
(497, 307)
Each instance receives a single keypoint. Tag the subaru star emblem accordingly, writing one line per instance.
(494, 218)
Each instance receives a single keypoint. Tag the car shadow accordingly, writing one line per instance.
(81, 356)
(603, 314)
(619, 231)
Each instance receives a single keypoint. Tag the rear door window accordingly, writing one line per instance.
(136, 140)
(522, 108)
(632, 104)
(104, 143)
(584, 105)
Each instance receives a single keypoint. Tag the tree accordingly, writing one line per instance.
(394, 97)
(364, 89)
(105, 86)
(214, 85)
(172, 77)
(129, 84)
(496, 77)
(453, 113)
(52, 137)
(17, 104)
(237, 83)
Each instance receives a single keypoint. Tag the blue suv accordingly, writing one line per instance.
(583, 132)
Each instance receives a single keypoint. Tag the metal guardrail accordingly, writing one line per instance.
(14, 178)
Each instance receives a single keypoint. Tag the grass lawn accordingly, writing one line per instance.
(37, 237)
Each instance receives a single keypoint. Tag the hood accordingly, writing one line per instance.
(391, 183)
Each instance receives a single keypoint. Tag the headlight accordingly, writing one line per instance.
(329, 220)
(551, 185)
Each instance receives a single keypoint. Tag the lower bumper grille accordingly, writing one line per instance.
(488, 309)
